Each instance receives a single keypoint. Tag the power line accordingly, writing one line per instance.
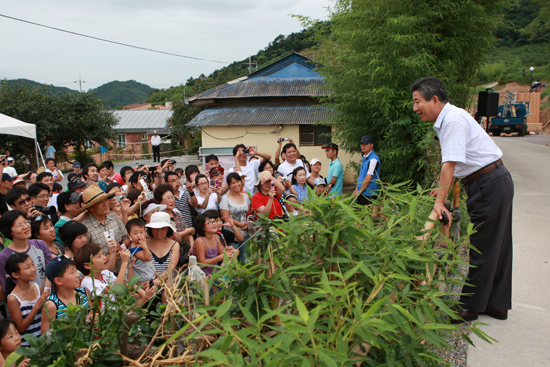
(116, 43)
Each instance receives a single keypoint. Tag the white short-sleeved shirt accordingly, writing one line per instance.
(463, 141)
(251, 171)
(107, 279)
(212, 203)
(286, 168)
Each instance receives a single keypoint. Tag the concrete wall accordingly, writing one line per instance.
(265, 139)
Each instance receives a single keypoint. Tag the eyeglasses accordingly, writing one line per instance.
(25, 200)
(172, 181)
(43, 196)
(22, 225)
(204, 183)
(211, 223)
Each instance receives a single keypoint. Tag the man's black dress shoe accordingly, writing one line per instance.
(496, 314)
(465, 316)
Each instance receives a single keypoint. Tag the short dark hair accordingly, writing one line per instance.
(136, 222)
(112, 185)
(233, 176)
(41, 176)
(136, 176)
(265, 163)
(133, 195)
(6, 222)
(63, 199)
(83, 256)
(287, 146)
(5, 327)
(161, 190)
(236, 148)
(14, 194)
(212, 214)
(70, 231)
(169, 173)
(86, 168)
(123, 171)
(57, 187)
(50, 159)
(179, 171)
(198, 177)
(429, 87)
(70, 176)
(211, 157)
(101, 166)
(200, 222)
(169, 234)
(34, 189)
(189, 170)
(108, 164)
(37, 223)
(12, 266)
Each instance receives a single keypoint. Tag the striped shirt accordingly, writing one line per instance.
(26, 308)
(81, 299)
(182, 204)
(161, 263)
(464, 141)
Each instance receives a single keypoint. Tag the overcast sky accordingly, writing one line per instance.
(225, 30)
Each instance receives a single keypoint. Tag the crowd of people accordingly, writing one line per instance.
(67, 245)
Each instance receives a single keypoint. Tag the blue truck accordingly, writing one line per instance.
(510, 118)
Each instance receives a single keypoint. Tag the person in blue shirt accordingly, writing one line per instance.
(369, 175)
(50, 150)
(335, 176)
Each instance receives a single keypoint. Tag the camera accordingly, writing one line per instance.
(445, 219)
(2, 158)
(149, 195)
(283, 139)
(246, 151)
(47, 210)
(119, 198)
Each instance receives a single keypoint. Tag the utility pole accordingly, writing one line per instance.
(250, 63)
(80, 81)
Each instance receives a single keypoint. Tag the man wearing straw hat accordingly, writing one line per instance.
(101, 219)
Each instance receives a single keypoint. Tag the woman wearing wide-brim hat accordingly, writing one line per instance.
(163, 249)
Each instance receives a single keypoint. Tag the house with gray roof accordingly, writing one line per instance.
(278, 100)
(135, 128)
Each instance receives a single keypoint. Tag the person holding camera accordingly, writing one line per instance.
(18, 198)
(5, 186)
(468, 153)
(250, 169)
(292, 161)
(40, 196)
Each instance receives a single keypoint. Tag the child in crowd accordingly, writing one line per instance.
(25, 300)
(74, 235)
(43, 229)
(143, 265)
(232, 235)
(62, 274)
(299, 177)
(10, 340)
(289, 200)
(320, 186)
(90, 257)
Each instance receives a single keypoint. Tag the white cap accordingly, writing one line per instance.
(319, 181)
(153, 206)
(314, 160)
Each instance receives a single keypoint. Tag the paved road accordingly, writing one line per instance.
(524, 339)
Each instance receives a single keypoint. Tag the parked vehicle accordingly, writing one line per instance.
(510, 118)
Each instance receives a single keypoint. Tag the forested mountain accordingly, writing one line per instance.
(32, 84)
(118, 94)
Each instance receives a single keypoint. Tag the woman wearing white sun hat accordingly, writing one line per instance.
(163, 249)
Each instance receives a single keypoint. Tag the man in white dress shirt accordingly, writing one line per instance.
(469, 154)
(155, 143)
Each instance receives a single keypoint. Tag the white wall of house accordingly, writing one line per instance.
(265, 139)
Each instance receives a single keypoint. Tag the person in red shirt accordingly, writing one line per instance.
(267, 200)
(112, 176)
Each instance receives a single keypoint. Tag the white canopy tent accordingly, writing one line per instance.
(11, 126)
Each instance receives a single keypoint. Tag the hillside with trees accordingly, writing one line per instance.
(117, 94)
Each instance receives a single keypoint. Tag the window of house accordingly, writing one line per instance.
(314, 135)
(144, 137)
(121, 141)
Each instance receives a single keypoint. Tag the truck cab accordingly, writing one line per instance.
(511, 118)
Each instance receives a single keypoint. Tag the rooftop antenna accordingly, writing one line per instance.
(250, 63)
(80, 81)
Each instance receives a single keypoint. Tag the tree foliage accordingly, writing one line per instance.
(116, 93)
(64, 119)
(378, 48)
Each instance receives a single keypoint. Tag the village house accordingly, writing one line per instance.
(278, 100)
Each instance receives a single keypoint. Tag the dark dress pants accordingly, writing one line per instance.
(490, 208)
(156, 153)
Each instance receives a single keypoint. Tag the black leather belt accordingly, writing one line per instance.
(481, 172)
